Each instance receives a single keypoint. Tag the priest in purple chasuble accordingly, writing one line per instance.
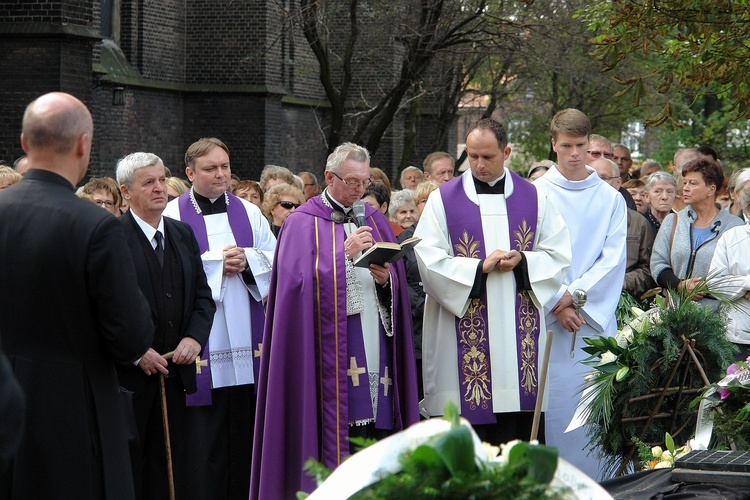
(493, 252)
(338, 356)
(597, 218)
(237, 247)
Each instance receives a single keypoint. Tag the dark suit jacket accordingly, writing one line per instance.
(199, 307)
(12, 409)
(71, 308)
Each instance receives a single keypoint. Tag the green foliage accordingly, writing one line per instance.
(448, 451)
(526, 475)
(446, 467)
(695, 46)
(360, 443)
(624, 312)
(553, 69)
(640, 365)
(704, 120)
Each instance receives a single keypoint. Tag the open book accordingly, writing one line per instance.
(384, 251)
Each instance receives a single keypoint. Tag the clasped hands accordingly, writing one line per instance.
(235, 260)
(501, 260)
(566, 314)
(359, 240)
(187, 350)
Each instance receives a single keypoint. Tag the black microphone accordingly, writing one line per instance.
(715, 229)
(358, 209)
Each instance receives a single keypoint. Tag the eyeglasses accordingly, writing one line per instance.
(599, 154)
(106, 203)
(288, 204)
(355, 184)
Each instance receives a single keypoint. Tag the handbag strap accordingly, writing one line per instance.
(671, 240)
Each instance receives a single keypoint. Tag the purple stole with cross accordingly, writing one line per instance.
(344, 384)
(464, 223)
(243, 237)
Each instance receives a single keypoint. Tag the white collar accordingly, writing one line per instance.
(148, 230)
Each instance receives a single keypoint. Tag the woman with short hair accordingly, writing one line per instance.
(661, 191)
(402, 209)
(686, 241)
(281, 200)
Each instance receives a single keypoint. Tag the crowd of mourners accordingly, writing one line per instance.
(308, 349)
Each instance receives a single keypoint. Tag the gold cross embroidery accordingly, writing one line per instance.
(260, 349)
(386, 381)
(354, 371)
(198, 363)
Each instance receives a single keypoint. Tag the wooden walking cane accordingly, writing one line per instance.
(542, 385)
(165, 422)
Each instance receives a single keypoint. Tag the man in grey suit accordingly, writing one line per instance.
(71, 310)
(170, 274)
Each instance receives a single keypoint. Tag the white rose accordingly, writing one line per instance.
(663, 465)
(656, 451)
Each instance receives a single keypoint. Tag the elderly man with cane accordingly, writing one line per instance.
(170, 275)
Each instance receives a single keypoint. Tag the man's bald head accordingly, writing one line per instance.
(54, 122)
(608, 171)
(684, 156)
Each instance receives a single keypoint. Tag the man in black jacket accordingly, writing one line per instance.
(170, 274)
(71, 310)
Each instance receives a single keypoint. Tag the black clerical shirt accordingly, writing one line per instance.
(208, 207)
(521, 271)
(219, 206)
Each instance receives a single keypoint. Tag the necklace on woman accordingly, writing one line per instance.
(708, 223)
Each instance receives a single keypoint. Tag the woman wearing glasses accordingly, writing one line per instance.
(279, 201)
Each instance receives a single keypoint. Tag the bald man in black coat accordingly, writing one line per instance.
(71, 310)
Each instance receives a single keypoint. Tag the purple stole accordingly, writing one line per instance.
(464, 223)
(243, 237)
(339, 340)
